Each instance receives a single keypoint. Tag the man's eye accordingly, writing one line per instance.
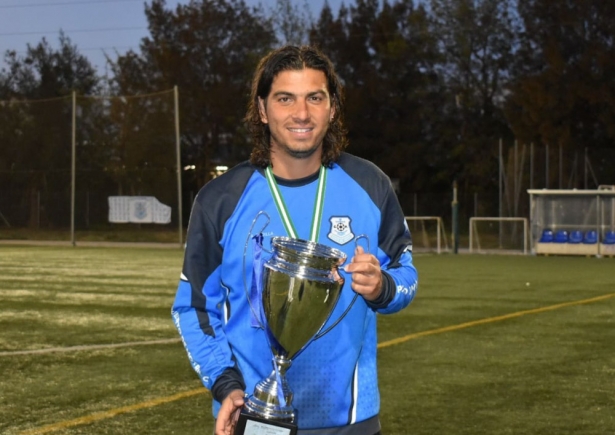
(283, 99)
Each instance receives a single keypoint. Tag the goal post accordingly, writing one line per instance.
(427, 233)
(499, 233)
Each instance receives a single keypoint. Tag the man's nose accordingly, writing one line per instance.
(302, 111)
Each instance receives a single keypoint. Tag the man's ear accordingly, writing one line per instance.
(261, 110)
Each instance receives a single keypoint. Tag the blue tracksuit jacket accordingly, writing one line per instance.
(334, 379)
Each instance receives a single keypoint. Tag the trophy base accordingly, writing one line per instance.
(250, 424)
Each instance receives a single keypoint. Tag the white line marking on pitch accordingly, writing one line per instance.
(88, 347)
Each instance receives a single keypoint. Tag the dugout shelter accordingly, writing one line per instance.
(573, 221)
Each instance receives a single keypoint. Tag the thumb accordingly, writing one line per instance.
(237, 398)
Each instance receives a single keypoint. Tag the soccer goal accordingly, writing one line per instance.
(428, 233)
(493, 234)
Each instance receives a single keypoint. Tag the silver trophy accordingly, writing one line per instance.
(301, 285)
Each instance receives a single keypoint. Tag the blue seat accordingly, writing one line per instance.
(546, 237)
(561, 237)
(591, 237)
(609, 238)
(575, 236)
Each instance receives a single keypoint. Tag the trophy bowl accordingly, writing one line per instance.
(301, 285)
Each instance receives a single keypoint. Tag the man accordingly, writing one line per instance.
(296, 120)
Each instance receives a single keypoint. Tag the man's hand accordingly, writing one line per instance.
(229, 412)
(366, 274)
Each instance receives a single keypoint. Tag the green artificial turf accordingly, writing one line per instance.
(451, 363)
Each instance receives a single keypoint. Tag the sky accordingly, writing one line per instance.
(96, 27)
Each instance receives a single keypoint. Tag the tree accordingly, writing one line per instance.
(47, 73)
(209, 49)
(36, 134)
(564, 95)
(292, 24)
(407, 93)
(330, 35)
(386, 57)
(478, 39)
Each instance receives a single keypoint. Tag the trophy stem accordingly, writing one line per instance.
(265, 402)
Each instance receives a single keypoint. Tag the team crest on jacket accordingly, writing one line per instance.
(341, 232)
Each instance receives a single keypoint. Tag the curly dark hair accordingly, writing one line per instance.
(289, 58)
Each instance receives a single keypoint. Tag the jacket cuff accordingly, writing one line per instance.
(387, 294)
(230, 379)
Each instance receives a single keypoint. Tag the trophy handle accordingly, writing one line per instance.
(319, 334)
(245, 250)
(361, 236)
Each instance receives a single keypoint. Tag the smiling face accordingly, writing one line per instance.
(297, 110)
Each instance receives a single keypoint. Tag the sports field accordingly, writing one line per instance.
(491, 345)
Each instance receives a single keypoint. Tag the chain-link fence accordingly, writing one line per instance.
(66, 162)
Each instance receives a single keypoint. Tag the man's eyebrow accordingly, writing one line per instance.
(290, 94)
(282, 93)
(318, 92)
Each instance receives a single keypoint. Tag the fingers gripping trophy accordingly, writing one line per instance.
(301, 285)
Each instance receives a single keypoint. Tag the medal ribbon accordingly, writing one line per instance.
(256, 288)
(292, 232)
(283, 211)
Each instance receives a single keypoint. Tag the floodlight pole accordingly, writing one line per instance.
(73, 171)
(179, 167)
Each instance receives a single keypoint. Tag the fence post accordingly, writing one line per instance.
(73, 163)
(455, 206)
(179, 166)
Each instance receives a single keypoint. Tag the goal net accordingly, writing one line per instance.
(428, 234)
(498, 234)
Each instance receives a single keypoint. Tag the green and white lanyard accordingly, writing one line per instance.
(283, 211)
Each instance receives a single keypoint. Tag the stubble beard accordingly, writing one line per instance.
(296, 152)
(301, 154)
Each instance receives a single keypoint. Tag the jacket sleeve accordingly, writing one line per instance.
(399, 276)
(198, 309)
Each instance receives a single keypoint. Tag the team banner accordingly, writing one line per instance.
(138, 209)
